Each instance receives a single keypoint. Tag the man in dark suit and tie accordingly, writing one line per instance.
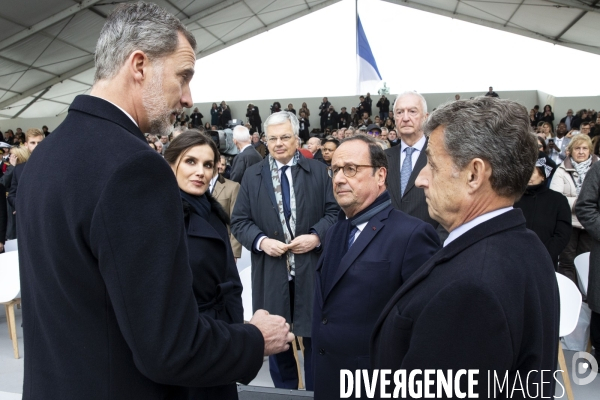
(247, 155)
(407, 160)
(94, 284)
(283, 210)
(488, 300)
(369, 253)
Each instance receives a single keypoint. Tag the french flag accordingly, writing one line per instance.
(369, 78)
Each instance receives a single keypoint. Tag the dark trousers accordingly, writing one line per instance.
(595, 333)
(580, 242)
(282, 366)
(383, 116)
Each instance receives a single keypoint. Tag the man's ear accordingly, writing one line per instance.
(138, 65)
(478, 173)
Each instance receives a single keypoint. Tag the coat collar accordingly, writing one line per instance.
(101, 108)
(506, 221)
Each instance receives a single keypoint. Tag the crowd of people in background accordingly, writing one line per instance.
(568, 148)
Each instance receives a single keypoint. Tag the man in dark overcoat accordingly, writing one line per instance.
(488, 301)
(283, 210)
(368, 254)
(108, 314)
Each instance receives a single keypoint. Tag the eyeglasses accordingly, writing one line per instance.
(284, 138)
(349, 170)
(374, 133)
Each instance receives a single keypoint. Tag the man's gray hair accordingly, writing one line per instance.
(494, 130)
(281, 117)
(137, 26)
(412, 93)
(241, 134)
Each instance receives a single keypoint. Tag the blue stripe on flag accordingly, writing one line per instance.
(364, 50)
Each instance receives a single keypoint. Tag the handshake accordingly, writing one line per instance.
(275, 331)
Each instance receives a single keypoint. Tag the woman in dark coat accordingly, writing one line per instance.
(547, 213)
(216, 282)
(214, 115)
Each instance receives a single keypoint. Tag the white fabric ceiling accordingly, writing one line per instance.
(47, 46)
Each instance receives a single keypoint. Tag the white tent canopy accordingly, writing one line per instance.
(47, 46)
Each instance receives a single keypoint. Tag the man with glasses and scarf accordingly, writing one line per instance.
(284, 208)
(369, 253)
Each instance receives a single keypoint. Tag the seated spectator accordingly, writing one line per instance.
(31, 140)
(546, 130)
(393, 138)
(533, 118)
(152, 145)
(159, 147)
(290, 108)
(374, 130)
(582, 116)
(584, 128)
(389, 123)
(258, 145)
(314, 146)
(568, 180)
(377, 121)
(546, 212)
(384, 144)
(344, 119)
(328, 148)
(349, 132)
(18, 155)
(341, 134)
(207, 126)
(354, 117)
(366, 121)
(385, 134)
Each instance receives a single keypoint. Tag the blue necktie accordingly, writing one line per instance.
(406, 169)
(285, 194)
(352, 236)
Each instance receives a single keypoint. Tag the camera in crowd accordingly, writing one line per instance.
(224, 139)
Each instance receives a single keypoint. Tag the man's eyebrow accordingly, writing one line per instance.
(189, 71)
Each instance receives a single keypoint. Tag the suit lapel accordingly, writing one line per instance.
(218, 189)
(369, 232)
(421, 162)
(199, 227)
(267, 181)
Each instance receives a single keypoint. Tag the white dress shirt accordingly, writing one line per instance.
(456, 233)
(415, 155)
(288, 173)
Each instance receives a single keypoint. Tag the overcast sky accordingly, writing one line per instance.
(315, 56)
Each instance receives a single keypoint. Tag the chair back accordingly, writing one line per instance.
(10, 283)
(246, 278)
(10, 245)
(582, 264)
(570, 305)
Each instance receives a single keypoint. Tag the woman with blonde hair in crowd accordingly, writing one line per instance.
(304, 109)
(18, 155)
(546, 131)
(568, 178)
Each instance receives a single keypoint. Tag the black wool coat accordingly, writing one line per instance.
(488, 301)
(548, 215)
(108, 312)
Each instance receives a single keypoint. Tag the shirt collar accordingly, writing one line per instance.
(456, 233)
(244, 148)
(417, 146)
(289, 164)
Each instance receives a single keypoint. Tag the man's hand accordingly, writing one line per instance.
(275, 331)
(273, 247)
(303, 244)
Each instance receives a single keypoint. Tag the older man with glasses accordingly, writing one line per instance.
(369, 253)
(283, 210)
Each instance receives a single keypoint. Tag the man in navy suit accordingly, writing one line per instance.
(94, 284)
(369, 253)
(488, 300)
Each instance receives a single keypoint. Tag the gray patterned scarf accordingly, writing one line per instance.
(289, 236)
(582, 168)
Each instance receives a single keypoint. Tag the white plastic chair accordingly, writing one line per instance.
(570, 305)
(246, 278)
(10, 288)
(10, 245)
(582, 265)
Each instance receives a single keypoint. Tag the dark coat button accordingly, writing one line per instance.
(321, 351)
(324, 321)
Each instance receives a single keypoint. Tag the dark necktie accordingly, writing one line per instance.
(285, 194)
(352, 236)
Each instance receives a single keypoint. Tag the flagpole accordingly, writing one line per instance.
(356, 53)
